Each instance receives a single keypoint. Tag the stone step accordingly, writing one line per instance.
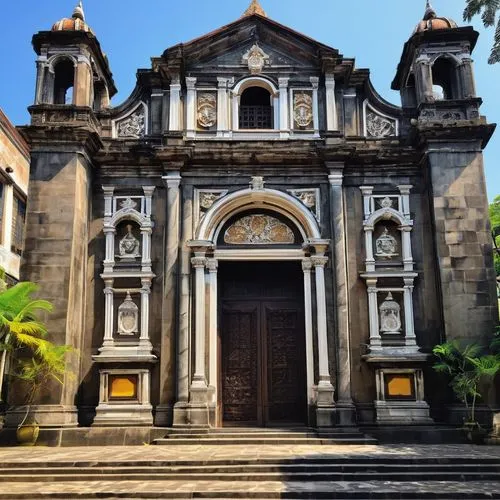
(267, 435)
(242, 476)
(263, 440)
(440, 490)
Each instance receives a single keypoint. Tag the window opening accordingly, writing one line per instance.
(63, 82)
(443, 80)
(256, 111)
(18, 220)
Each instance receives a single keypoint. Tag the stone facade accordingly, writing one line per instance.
(256, 144)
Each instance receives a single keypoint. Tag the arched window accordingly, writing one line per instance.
(64, 76)
(444, 80)
(256, 111)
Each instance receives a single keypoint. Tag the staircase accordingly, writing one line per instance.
(352, 474)
(260, 436)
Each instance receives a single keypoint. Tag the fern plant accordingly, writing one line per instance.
(468, 368)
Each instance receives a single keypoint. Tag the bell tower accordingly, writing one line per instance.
(436, 81)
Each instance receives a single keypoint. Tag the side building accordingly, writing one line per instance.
(255, 237)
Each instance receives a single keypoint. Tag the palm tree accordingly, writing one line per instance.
(19, 325)
(488, 10)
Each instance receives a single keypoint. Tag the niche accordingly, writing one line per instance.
(387, 243)
(128, 243)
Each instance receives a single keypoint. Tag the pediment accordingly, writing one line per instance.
(227, 45)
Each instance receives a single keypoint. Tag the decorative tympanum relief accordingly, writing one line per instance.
(258, 229)
(256, 59)
(133, 126)
(302, 109)
(128, 317)
(129, 245)
(379, 126)
(386, 246)
(390, 315)
(207, 110)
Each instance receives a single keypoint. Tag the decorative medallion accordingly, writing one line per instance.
(302, 109)
(386, 202)
(133, 125)
(390, 316)
(386, 245)
(128, 317)
(256, 59)
(258, 229)
(207, 110)
(128, 203)
(379, 126)
(129, 245)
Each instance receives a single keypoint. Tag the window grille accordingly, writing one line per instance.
(256, 117)
(18, 220)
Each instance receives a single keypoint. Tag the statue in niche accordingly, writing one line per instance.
(128, 317)
(129, 245)
(390, 316)
(386, 246)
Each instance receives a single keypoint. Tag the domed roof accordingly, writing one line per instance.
(75, 23)
(432, 22)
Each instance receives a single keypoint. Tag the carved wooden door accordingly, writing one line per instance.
(263, 366)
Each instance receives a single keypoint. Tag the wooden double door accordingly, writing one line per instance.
(262, 345)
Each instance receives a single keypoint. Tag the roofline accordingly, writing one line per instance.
(14, 135)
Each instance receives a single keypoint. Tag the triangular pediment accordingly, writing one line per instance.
(227, 45)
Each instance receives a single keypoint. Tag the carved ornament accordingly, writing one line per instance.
(129, 245)
(386, 245)
(390, 315)
(128, 317)
(309, 197)
(128, 203)
(302, 109)
(256, 59)
(133, 126)
(379, 126)
(207, 110)
(258, 229)
(208, 198)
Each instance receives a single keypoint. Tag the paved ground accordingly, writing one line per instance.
(35, 457)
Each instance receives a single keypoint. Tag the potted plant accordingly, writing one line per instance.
(470, 370)
(36, 371)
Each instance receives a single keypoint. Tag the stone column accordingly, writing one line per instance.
(199, 383)
(222, 106)
(375, 339)
(345, 407)
(174, 119)
(331, 106)
(41, 65)
(410, 338)
(406, 250)
(212, 265)
(283, 103)
(144, 342)
(307, 268)
(108, 314)
(190, 106)
(169, 313)
(315, 83)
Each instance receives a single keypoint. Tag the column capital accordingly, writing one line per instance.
(319, 245)
(307, 265)
(190, 82)
(405, 188)
(319, 261)
(329, 80)
(172, 180)
(314, 81)
(198, 262)
(108, 190)
(108, 290)
(366, 190)
(212, 265)
(371, 283)
(283, 82)
(336, 177)
(200, 247)
(148, 190)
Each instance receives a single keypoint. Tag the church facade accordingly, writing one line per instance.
(255, 237)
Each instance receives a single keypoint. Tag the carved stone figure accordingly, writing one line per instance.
(257, 183)
(386, 202)
(302, 109)
(128, 203)
(258, 229)
(128, 317)
(207, 110)
(379, 126)
(133, 125)
(390, 315)
(129, 245)
(386, 245)
(256, 58)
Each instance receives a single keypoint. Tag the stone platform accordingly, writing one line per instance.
(450, 472)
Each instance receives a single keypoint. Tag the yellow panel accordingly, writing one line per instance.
(123, 387)
(400, 386)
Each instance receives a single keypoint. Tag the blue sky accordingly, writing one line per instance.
(131, 31)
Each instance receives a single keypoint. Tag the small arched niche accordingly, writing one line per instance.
(387, 246)
(64, 78)
(258, 228)
(128, 243)
(444, 80)
(256, 109)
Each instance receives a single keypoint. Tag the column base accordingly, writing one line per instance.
(402, 412)
(325, 392)
(123, 415)
(163, 415)
(326, 416)
(45, 415)
(198, 393)
(191, 415)
(346, 413)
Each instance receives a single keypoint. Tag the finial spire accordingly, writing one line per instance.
(78, 12)
(255, 8)
(429, 11)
